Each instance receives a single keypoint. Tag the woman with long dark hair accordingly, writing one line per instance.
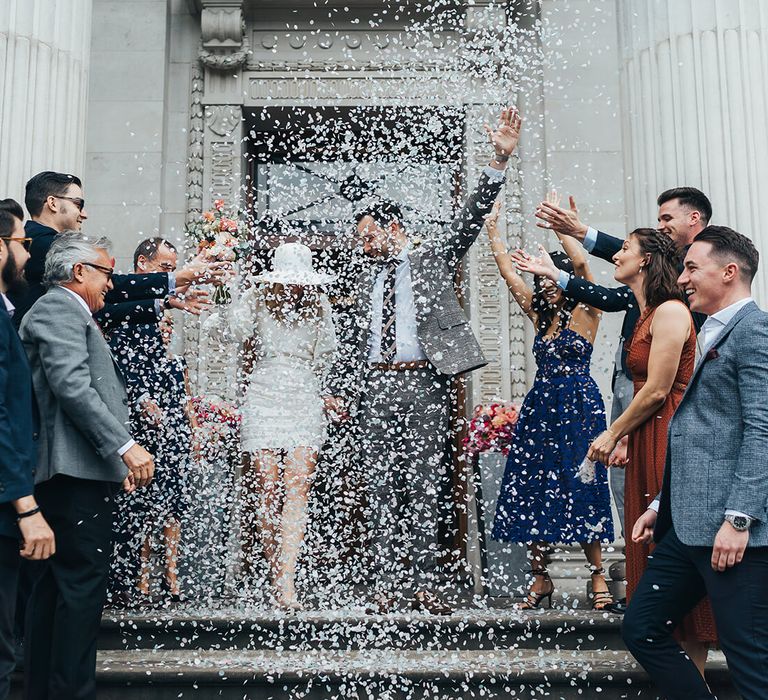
(661, 356)
(542, 499)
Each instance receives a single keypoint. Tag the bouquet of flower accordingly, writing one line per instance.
(491, 428)
(219, 236)
(218, 423)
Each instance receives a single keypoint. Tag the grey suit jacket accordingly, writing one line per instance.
(444, 331)
(717, 453)
(79, 389)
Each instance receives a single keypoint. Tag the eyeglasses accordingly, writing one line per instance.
(108, 271)
(26, 242)
(79, 202)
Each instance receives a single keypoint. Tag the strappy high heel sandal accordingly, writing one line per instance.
(600, 599)
(534, 600)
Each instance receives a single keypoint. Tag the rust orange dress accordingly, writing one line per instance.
(647, 451)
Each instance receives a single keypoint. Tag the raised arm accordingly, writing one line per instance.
(468, 224)
(670, 328)
(520, 290)
(566, 222)
(573, 249)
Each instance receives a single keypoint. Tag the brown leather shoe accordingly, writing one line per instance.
(432, 603)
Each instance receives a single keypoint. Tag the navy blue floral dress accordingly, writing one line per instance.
(542, 498)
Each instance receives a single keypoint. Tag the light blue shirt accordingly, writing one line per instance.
(590, 239)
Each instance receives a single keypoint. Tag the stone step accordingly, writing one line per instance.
(353, 630)
(311, 675)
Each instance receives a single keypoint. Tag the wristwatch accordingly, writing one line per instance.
(739, 522)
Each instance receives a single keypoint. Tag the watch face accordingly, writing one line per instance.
(740, 522)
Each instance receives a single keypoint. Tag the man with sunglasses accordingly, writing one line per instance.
(56, 204)
(24, 533)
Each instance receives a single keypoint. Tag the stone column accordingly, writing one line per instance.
(695, 79)
(44, 61)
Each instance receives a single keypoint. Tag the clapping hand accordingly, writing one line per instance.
(563, 221)
(542, 266)
(506, 135)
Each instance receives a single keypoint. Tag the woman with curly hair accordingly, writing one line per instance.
(661, 357)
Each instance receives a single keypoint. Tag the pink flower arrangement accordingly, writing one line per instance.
(491, 428)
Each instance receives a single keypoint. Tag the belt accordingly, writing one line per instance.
(400, 366)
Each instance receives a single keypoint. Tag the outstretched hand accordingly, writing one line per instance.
(543, 266)
(492, 219)
(566, 222)
(506, 135)
(193, 301)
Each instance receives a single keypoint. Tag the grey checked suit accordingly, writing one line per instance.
(717, 460)
(403, 417)
(83, 423)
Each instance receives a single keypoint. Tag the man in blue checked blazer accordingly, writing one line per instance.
(710, 520)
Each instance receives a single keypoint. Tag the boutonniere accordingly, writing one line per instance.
(416, 241)
(712, 354)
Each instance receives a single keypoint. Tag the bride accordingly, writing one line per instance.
(286, 320)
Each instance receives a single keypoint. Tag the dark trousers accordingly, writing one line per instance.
(677, 578)
(9, 577)
(64, 610)
(405, 428)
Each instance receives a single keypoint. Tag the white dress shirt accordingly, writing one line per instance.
(10, 308)
(708, 335)
(408, 348)
(128, 445)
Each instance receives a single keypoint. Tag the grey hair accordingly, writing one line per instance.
(68, 249)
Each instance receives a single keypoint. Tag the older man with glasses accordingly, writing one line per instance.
(85, 453)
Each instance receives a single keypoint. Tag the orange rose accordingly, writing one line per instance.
(208, 216)
(218, 204)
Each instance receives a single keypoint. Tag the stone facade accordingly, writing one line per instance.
(158, 130)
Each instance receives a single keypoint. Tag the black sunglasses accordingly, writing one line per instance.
(79, 202)
(108, 271)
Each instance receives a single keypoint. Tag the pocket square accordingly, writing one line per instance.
(712, 354)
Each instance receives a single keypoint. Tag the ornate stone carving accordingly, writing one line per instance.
(222, 120)
(224, 44)
(195, 146)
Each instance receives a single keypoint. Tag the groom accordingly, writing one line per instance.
(710, 519)
(410, 338)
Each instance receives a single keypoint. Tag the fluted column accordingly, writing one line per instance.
(44, 58)
(695, 79)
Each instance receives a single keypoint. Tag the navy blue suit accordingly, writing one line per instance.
(131, 301)
(17, 465)
(613, 298)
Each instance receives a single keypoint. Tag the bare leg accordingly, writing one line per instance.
(542, 585)
(697, 652)
(600, 594)
(171, 537)
(299, 470)
(262, 507)
(145, 556)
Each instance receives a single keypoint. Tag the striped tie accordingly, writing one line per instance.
(388, 314)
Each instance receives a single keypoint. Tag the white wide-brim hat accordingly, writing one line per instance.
(292, 264)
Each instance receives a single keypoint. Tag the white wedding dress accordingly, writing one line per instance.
(282, 407)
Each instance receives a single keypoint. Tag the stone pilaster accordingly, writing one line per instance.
(44, 61)
(694, 84)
